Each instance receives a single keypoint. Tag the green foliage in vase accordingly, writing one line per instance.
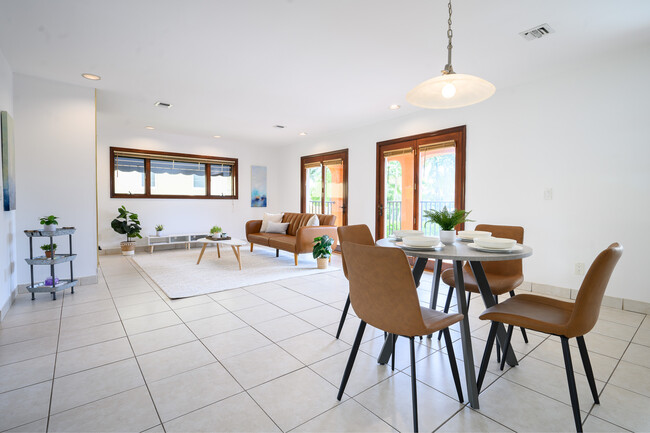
(446, 219)
(49, 220)
(215, 229)
(46, 247)
(159, 228)
(127, 223)
(323, 247)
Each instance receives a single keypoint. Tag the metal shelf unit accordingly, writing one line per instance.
(40, 287)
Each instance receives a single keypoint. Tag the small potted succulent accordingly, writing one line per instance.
(50, 250)
(447, 220)
(322, 250)
(127, 223)
(159, 228)
(214, 232)
(49, 223)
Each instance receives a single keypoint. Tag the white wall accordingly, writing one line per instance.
(55, 167)
(181, 215)
(583, 133)
(7, 219)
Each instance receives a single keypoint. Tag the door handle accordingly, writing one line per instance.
(380, 209)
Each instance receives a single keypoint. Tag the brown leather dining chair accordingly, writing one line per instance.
(383, 294)
(503, 276)
(358, 234)
(564, 319)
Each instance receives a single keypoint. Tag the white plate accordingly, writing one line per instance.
(469, 235)
(496, 250)
(433, 248)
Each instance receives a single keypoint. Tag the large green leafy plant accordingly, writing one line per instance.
(323, 247)
(446, 219)
(127, 223)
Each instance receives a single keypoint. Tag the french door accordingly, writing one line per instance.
(324, 184)
(416, 174)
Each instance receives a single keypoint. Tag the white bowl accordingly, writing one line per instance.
(421, 241)
(405, 233)
(471, 234)
(496, 243)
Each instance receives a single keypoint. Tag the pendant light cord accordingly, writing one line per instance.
(450, 33)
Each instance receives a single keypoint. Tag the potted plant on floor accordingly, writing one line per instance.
(49, 223)
(447, 220)
(322, 250)
(159, 228)
(50, 250)
(214, 232)
(127, 223)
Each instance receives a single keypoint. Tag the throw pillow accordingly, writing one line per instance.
(270, 218)
(277, 228)
(313, 221)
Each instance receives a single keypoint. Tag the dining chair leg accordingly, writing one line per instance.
(414, 389)
(523, 330)
(447, 306)
(573, 391)
(453, 364)
(345, 313)
(486, 355)
(353, 355)
(392, 362)
(506, 347)
(498, 349)
(588, 370)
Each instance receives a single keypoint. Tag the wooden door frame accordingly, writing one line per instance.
(321, 157)
(458, 134)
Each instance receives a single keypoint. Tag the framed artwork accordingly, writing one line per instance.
(258, 186)
(8, 164)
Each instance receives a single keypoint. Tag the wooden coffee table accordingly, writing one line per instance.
(234, 244)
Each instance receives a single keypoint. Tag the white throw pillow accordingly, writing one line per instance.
(277, 228)
(270, 218)
(313, 221)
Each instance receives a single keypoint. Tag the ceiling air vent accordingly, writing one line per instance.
(537, 32)
(162, 104)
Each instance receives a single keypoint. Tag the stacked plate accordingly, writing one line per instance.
(421, 242)
(469, 235)
(401, 234)
(490, 244)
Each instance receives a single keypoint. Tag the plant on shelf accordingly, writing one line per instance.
(49, 222)
(159, 228)
(322, 250)
(214, 231)
(127, 223)
(447, 220)
(50, 250)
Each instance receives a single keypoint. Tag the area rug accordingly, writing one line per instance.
(178, 275)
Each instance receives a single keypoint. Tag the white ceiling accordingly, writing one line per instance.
(236, 68)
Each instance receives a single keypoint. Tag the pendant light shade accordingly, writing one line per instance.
(450, 91)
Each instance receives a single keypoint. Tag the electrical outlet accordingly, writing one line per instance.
(548, 194)
(580, 268)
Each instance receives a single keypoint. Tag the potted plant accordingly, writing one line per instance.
(447, 220)
(49, 252)
(127, 223)
(49, 222)
(159, 228)
(322, 250)
(214, 231)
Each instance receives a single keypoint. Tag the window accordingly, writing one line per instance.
(324, 184)
(151, 174)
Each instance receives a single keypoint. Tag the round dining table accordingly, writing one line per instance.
(458, 252)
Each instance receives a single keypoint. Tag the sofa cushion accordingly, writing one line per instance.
(280, 228)
(327, 220)
(283, 242)
(295, 220)
(261, 238)
(270, 217)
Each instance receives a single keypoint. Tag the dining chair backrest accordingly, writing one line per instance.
(382, 289)
(358, 234)
(590, 296)
(504, 267)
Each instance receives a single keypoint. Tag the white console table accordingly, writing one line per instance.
(186, 239)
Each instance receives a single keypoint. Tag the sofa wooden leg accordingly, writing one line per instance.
(251, 247)
(295, 258)
(330, 259)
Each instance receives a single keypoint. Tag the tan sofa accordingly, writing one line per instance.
(299, 238)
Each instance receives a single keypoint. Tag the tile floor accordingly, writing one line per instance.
(121, 356)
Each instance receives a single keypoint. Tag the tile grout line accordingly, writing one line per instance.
(56, 357)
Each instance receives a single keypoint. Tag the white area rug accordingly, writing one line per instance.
(178, 275)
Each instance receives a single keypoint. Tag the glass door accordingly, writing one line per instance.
(334, 200)
(324, 189)
(398, 205)
(437, 184)
(314, 187)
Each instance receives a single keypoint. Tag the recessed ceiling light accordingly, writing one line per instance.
(279, 126)
(303, 133)
(163, 104)
(149, 127)
(217, 136)
(395, 107)
(91, 77)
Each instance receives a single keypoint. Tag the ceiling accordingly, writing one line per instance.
(236, 68)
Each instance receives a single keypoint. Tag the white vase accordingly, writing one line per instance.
(447, 237)
(49, 228)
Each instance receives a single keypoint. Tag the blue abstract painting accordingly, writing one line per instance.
(258, 186)
(8, 165)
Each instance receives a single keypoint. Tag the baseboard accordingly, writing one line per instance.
(8, 303)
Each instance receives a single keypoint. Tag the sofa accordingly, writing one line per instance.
(299, 238)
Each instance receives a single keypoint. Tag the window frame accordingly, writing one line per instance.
(148, 155)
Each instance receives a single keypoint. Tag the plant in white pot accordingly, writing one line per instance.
(322, 250)
(49, 223)
(159, 228)
(127, 223)
(215, 232)
(447, 220)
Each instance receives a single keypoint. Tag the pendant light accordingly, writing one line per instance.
(450, 90)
